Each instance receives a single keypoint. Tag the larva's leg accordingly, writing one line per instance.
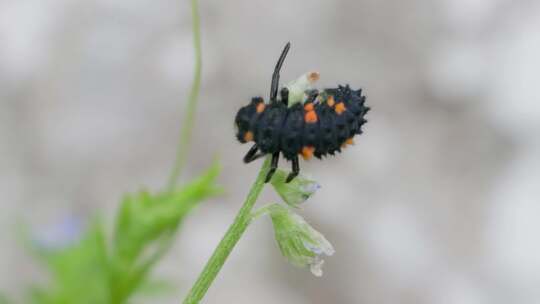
(285, 96)
(312, 95)
(251, 155)
(295, 170)
(273, 167)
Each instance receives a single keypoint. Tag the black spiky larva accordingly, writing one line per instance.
(324, 123)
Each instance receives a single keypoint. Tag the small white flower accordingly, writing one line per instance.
(297, 191)
(298, 87)
(302, 245)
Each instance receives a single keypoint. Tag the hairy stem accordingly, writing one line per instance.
(229, 240)
(187, 126)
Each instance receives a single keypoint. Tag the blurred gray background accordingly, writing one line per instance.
(438, 202)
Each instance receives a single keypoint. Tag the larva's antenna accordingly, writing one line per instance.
(275, 76)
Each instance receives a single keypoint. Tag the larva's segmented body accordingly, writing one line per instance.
(315, 128)
(323, 124)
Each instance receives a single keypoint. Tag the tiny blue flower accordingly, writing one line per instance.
(60, 234)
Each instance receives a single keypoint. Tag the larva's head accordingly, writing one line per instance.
(244, 119)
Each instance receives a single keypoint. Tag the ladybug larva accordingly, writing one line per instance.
(322, 124)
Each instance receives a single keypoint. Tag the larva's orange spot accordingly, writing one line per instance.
(340, 108)
(260, 107)
(307, 152)
(248, 136)
(349, 141)
(311, 117)
(330, 101)
(308, 107)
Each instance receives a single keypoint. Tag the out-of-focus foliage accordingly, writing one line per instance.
(99, 269)
(79, 272)
(3, 299)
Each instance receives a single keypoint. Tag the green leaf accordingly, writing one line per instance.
(156, 287)
(3, 299)
(91, 270)
(79, 272)
(145, 228)
(143, 217)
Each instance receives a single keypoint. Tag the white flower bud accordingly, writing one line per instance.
(295, 192)
(302, 245)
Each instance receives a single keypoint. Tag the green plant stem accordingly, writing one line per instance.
(229, 240)
(187, 126)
